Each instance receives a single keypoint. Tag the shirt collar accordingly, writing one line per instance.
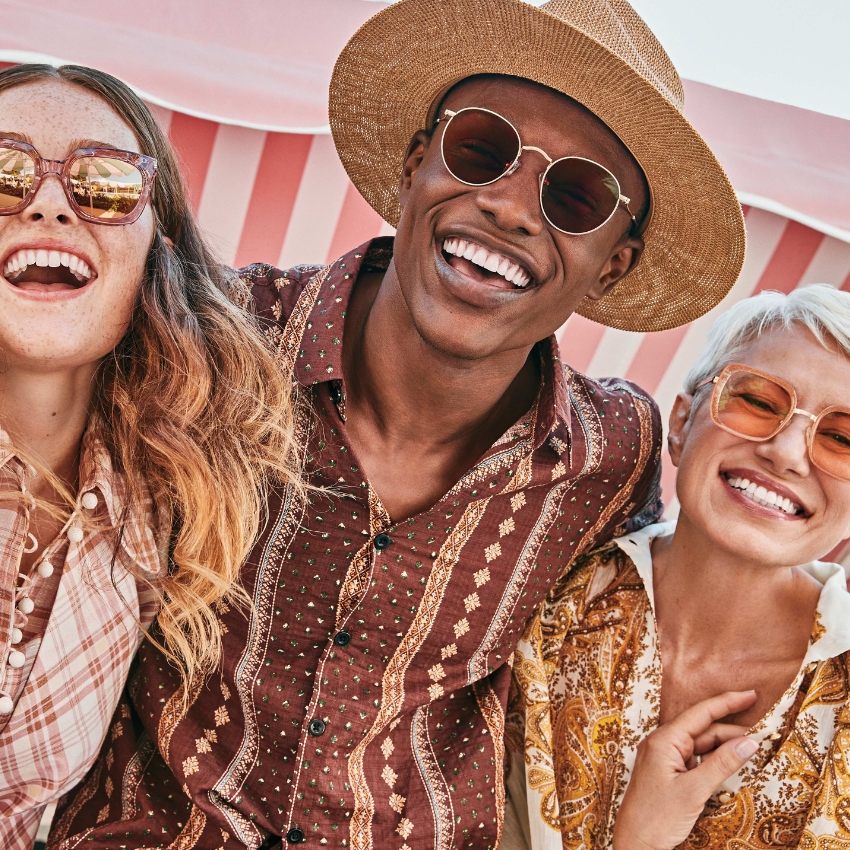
(320, 352)
(97, 475)
(831, 632)
(138, 523)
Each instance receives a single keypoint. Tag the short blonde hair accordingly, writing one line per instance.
(821, 308)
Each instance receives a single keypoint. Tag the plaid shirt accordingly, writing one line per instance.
(78, 642)
(361, 700)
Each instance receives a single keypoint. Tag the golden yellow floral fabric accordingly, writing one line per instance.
(586, 691)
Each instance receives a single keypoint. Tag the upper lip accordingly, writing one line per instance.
(49, 245)
(512, 252)
(768, 483)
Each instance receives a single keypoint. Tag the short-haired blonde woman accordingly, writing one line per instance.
(689, 685)
(141, 417)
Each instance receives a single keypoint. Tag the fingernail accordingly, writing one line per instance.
(746, 748)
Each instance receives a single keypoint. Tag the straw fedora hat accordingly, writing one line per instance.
(388, 80)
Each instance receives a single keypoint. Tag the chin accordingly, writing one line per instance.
(58, 353)
(470, 343)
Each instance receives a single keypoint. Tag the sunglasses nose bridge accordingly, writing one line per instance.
(51, 166)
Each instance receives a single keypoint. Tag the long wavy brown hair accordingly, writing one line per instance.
(192, 405)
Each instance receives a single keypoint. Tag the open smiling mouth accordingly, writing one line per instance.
(485, 265)
(764, 497)
(41, 270)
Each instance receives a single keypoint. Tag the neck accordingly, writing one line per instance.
(45, 415)
(414, 392)
(711, 600)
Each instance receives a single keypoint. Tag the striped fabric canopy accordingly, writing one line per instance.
(306, 210)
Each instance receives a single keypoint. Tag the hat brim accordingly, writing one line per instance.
(388, 75)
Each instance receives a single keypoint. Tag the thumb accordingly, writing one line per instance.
(721, 764)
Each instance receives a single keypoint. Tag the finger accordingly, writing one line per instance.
(717, 734)
(695, 720)
(718, 766)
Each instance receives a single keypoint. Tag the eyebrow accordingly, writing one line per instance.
(91, 143)
(74, 145)
(21, 137)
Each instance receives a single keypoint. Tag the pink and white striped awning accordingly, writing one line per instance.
(241, 90)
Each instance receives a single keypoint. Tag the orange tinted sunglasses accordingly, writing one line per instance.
(757, 406)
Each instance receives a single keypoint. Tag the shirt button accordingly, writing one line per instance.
(342, 638)
(294, 836)
(316, 727)
(16, 659)
(382, 541)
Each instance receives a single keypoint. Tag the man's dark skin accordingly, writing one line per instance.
(436, 362)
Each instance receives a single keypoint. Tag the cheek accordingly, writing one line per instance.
(698, 462)
(837, 495)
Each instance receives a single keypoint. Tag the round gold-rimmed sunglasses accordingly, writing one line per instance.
(577, 195)
(103, 185)
(757, 406)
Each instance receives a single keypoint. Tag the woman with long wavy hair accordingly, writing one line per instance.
(142, 419)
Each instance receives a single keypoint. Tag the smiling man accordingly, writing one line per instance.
(536, 163)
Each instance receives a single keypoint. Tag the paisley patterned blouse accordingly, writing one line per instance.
(587, 687)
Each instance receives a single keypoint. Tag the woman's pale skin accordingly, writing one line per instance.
(734, 619)
(53, 335)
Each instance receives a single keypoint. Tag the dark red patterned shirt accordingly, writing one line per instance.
(361, 703)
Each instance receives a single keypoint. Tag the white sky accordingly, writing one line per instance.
(791, 51)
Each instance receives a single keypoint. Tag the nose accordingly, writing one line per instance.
(50, 203)
(513, 201)
(788, 451)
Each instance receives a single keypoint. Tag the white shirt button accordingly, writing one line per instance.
(17, 635)
(75, 534)
(89, 501)
(6, 705)
(16, 659)
(26, 605)
(45, 569)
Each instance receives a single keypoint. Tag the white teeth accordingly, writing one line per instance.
(18, 261)
(488, 260)
(762, 496)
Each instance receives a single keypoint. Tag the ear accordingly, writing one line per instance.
(412, 160)
(626, 256)
(167, 240)
(680, 420)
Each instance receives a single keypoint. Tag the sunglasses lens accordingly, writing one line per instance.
(752, 405)
(578, 195)
(17, 173)
(831, 444)
(105, 187)
(478, 146)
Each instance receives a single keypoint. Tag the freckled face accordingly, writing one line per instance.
(467, 311)
(51, 325)
(711, 461)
